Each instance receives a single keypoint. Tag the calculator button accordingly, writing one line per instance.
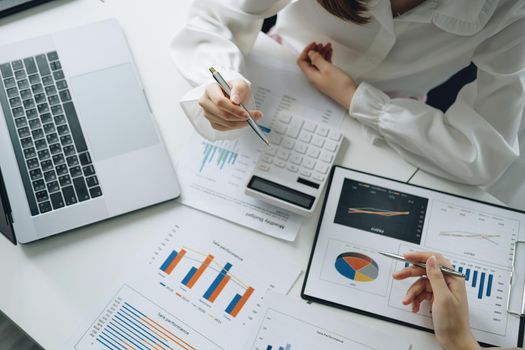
(309, 163)
(279, 128)
(288, 144)
(322, 168)
(285, 118)
(263, 167)
(306, 173)
(318, 177)
(275, 139)
(327, 157)
(330, 146)
(300, 148)
(271, 150)
(283, 154)
(310, 126)
(334, 135)
(292, 168)
(279, 163)
(318, 141)
(267, 159)
(323, 131)
(313, 152)
(296, 159)
(305, 137)
(295, 128)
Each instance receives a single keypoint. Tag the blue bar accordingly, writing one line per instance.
(489, 285)
(234, 302)
(109, 339)
(467, 275)
(481, 285)
(281, 348)
(144, 333)
(288, 347)
(217, 280)
(189, 276)
(105, 342)
(407, 264)
(140, 313)
(269, 347)
(132, 338)
(474, 279)
(460, 269)
(168, 261)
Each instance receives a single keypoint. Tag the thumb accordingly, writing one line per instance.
(435, 276)
(318, 60)
(240, 90)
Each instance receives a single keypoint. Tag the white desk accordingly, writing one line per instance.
(48, 287)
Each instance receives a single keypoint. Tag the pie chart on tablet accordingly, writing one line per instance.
(357, 267)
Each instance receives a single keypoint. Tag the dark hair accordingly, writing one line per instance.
(349, 10)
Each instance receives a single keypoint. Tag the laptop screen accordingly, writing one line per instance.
(5, 212)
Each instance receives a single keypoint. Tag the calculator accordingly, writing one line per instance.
(292, 171)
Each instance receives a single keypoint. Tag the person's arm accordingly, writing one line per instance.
(218, 34)
(476, 139)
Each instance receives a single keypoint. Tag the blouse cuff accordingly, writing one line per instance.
(368, 104)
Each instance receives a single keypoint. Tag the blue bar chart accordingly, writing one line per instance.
(287, 347)
(219, 154)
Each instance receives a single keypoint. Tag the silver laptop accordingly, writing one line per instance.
(78, 143)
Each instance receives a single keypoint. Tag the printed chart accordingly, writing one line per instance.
(486, 289)
(357, 267)
(131, 321)
(381, 211)
(465, 231)
(219, 154)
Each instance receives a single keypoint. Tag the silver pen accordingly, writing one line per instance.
(443, 269)
(226, 88)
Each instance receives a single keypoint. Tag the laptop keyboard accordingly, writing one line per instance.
(50, 148)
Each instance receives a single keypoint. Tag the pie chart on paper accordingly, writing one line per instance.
(357, 267)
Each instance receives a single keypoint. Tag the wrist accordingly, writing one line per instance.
(464, 343)
(347, 93)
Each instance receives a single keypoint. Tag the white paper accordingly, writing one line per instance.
(292, 325)
(213, 175)
(161, 303)
(365, 215)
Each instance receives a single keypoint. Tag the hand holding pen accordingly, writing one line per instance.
(448, 296)
(224, 112)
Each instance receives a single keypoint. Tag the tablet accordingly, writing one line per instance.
(364, 214)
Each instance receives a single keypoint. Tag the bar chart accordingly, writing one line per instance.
(219, 154)
(208, 265)
(131, 321)
(286, 347)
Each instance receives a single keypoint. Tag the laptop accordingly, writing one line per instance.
(8, 7)
(78, 143)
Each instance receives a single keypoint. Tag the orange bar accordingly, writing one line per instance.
(219, 288)
(175, 261)
(242, 301)
(200, 271)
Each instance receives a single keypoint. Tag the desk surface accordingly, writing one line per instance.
(50, 287)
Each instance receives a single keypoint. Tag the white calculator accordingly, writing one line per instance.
(292, 171)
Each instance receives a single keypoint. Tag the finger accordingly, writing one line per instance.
(224, 124)
(416, 304)
(304, 54)
(434, 274)
(411, 271)
(215, 94)
(423, 256)
(329, 53)
(318, 61)
(414, 290)
(209, 107)
(239, 92)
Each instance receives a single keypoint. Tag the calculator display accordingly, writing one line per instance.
(281, 192)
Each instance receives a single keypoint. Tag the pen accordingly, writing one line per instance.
(443, 269)
(226, 88)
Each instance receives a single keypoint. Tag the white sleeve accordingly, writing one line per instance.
(477, 138)
(218, 33)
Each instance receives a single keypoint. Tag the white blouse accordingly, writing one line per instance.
(474, 142)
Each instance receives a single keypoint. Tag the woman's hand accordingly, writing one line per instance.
(225, 113)
(316, 63)
(448, 296)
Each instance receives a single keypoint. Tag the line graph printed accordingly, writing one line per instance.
(374, 211)
(473, 235)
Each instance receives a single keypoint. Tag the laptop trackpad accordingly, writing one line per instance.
(113, 112)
